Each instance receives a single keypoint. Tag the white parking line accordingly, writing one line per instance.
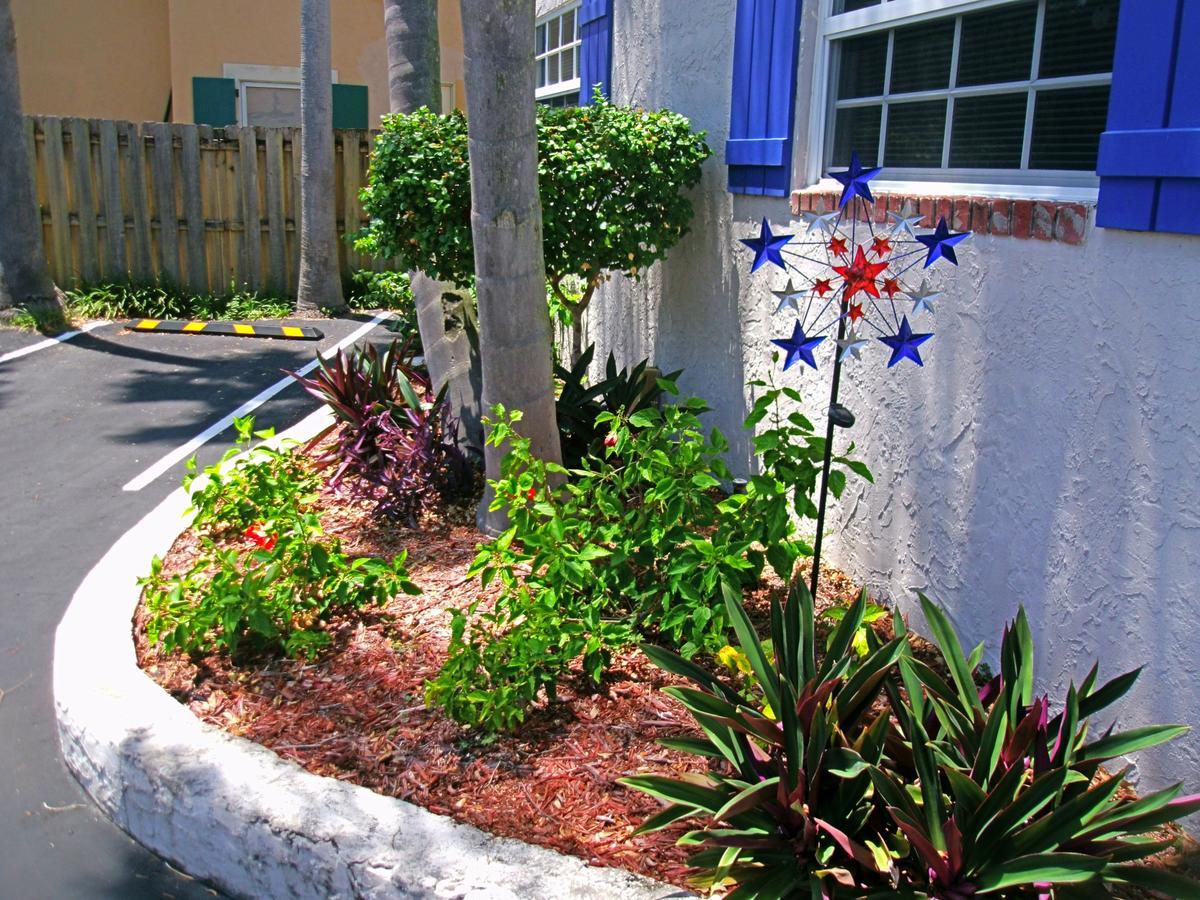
(51, 342)
(181, 453)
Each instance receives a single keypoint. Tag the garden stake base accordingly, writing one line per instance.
(228, 329)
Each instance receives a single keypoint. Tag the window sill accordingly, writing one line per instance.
(1064, 220)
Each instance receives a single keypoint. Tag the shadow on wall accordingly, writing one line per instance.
(1047, 455)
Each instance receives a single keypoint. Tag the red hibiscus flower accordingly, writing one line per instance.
(264, 541)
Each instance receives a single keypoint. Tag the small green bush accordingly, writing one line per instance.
(118, 301)
(611, 181)
(274, 597)
(634, 546)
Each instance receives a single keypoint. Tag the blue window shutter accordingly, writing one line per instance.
(214, 101)
(350, 106)
(1149, 162)
(595, 52)
(765, 49)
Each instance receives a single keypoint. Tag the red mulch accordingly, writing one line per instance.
(357, 712)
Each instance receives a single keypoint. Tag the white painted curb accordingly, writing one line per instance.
(234, 814)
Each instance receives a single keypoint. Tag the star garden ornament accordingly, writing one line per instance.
(851, 280)
(799, 347)
(904, 344)
(854, 181)
(824, 222)
(852, 345)
(767, 247)
(850, 274)
(923, 298)
(902, 225)
(941, 243)
(790, 296)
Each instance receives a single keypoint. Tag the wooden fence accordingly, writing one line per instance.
(205, 208)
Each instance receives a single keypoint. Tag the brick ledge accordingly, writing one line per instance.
(1043, 220)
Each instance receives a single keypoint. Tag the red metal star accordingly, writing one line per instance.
(837, 246)
(855, 312)
(860, 275)
(891, 287)
(823, 286)
(881, 246)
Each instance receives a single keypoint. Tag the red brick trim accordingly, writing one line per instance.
(1043, 220)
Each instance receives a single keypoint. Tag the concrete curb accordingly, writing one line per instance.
(234, 814)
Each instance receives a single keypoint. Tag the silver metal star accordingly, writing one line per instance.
(923, 298)
(901, 224)
(821, 221)
(851, 345)
(789, 296)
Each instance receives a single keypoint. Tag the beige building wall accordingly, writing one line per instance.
(104, 59)
(208, 34)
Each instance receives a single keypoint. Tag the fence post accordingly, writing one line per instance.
(114, 211)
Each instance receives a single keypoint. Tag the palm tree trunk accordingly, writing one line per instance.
(24, 278)
(415, 80)
(320, 275)
(414, 55)
(506, 224)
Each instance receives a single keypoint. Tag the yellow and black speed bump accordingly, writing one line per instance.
(227, 329)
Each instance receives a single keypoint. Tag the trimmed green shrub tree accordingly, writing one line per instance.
(612, 182)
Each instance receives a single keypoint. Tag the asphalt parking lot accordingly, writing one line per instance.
(95, 431)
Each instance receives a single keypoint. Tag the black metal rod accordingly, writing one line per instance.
(828, 462)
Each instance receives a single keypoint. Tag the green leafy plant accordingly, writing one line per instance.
(391, 291)
(791, 812)
(635, 545)
(611, 181)
(580, 404)
(631, 545)
(276, 594)
(1010, 800)
(115, 301)
(227, 497)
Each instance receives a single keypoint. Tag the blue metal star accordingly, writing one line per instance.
(799, 347)
(904, 344)
(941, 243)
(854, 180)
(766, 247)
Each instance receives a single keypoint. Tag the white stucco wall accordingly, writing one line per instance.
(1047, 453)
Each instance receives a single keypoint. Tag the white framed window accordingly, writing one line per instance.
(268, 95)
(980, 92)
(556, 50)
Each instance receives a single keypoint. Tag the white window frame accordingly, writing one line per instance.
(560, 88)
(248, 75)
(1062, 185)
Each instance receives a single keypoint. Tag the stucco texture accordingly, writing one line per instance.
(105, 59)
(1046, 454)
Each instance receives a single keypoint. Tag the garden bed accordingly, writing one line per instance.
(356, 713)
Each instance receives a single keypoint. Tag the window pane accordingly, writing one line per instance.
(914, 134)
(272, 107)
(1066, 128)
(863, 60)
(997, 45)
(539, 40)
(1078, 37)
(568, 28)
(568, 65)
(541, 64)
(921, 57)
(856, 129)
(552, 26)
(841, 6)
(988, 132)
(553, 78)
